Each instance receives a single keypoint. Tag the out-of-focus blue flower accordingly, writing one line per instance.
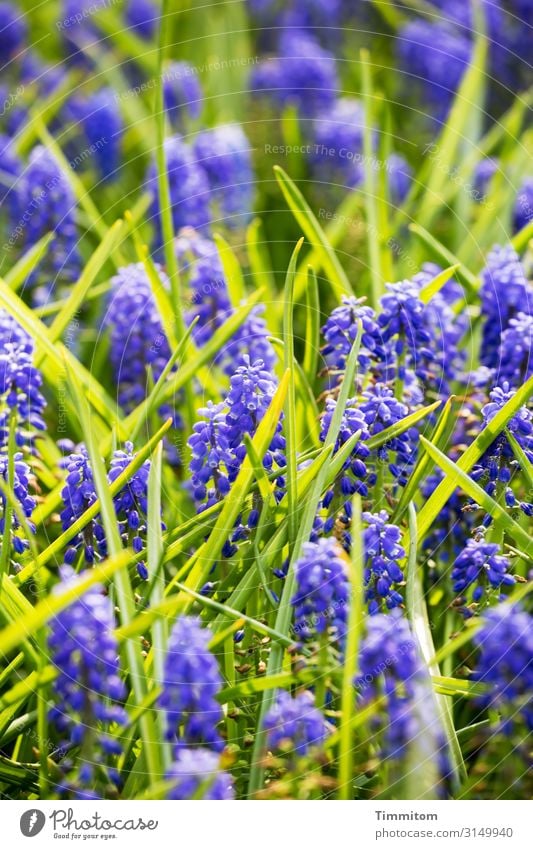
(303, 75)
(399, 176)
(197, 771)
(294, 726)
(191, 682)
(337, 149)
(433, 56)
(340, 331)
(523, 207)
(99, 120)
(506, 664)
(143, 17)
(382, 572)
(13, 32)
(201, 271)
(320, 601)
(84, 652)
(138, 342)
(483, 174)
(504, 293)
(516, 352)
(408, 722)
(479, 567)
(10, 176)
(48, 205)
(182, 93)
(224, 155)
(189, 189)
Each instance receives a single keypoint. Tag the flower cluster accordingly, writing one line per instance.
(88, 685)
(340, 331)
(100, 129)
(303, 74)
(390, 668)
(196, 773)
(504, 293)
(21, 400)
(139, 349)
(189, 189)
(47, 205)
(191, 682)
(478, 568)
(79, 493)
(224, 155)
(320, 601)
(506, 664)
(495, 467)
(382, 573)
(294, 725)
(182, 93)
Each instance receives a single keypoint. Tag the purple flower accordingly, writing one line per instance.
(196, 774)
(404, 326)
(479, 567)
(143, 17)
(84, 652)
(390, 668)
(20, 385)
(49, 205)
(504, 293)
(523, 208)
(322, 592)
(13, 32)
(382, 572)
(483, 174)
(182, 93)
(294, 725)
(20, 486)
(139, 347)
(433, 57)
(506, 664)
(495, 467)
(224, 155)
(340, 331)
(303, 74)
(189, 189)
(131, 502)
(399, 175)
(381, 410)
(191, 682)
(338, 144)
(516, 351)
(98, 119)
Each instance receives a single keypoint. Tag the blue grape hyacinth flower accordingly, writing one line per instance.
(382, 573)
(294, 726)
(224, 154)
(321, 597)
(182, 93)
(196, 773)
(505, 664)
(479, 568)
(88, 688)
(191, 682)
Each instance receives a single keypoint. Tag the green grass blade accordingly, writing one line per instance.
(314, 233)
